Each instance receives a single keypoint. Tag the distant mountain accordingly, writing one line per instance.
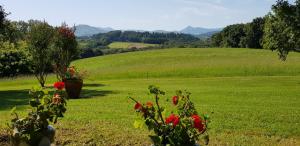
(199, 30)
(86, 30)
(164, 31)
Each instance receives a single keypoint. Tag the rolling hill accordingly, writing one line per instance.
(250, 96)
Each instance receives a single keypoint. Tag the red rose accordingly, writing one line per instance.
(138, 106)
(173, 119)
(149, 104)
(59, 85)
(175, 100)
(198, 123)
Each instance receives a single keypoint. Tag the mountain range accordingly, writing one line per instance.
(86, 30)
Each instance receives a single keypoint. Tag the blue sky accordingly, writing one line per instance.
(139, 14)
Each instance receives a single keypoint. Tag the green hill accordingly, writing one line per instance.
(252, 97)
(190, 63)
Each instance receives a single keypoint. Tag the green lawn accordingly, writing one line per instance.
(251, 96)
(126, 45)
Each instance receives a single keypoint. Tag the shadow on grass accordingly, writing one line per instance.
(93, 85)
(11, 98)
(86, 93)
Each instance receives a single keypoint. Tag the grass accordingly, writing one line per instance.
(251, 96)
(127, 45)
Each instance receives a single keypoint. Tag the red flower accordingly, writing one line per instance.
(173, 119)
(66, 32)
(175, 100)
(198, 123)
(59, 85)
(149, 104)
(138, 106)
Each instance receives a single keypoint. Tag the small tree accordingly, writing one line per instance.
(65, 50)
(282, 29)
(40, 38)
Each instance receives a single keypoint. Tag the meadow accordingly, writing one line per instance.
(251, 96)
(127, 45)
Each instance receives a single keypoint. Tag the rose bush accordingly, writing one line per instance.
(45, 109)
(183, 127)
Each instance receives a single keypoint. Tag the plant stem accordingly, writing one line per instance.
(133, 99)
(159, 110)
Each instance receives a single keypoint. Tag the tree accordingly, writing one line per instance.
(232, 35)
(282, 29)
(216, 39)
(253, 34)
(3, 14)
(65, 50)
(40, 39)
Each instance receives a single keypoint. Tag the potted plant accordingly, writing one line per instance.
(74, 81)
(35, 128)
(183, 127)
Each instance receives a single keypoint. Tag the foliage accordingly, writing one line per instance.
(14, 61)
(253, 34)
(64, 51)
(183, 128)
(44, 109)
(241, 35)
(40, 39)
(282, 30)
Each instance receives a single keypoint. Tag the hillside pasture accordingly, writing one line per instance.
(127, 45)
(251, 96)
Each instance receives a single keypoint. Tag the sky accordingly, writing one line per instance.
(139, 14)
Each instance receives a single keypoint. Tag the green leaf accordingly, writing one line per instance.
(46, 92)
(138, 124)
(206, 117)
(13, 110)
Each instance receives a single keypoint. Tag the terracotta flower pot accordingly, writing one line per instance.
(73, 88)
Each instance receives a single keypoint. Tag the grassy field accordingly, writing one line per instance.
(126, 45)
(251, 96)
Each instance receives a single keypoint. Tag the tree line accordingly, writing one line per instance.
(98, 44)
(279, 31)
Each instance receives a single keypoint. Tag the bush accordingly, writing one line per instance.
(13, 62)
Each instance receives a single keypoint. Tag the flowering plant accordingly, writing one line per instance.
(181, 128)
(72, 73)
(45, 108)
(65, 49)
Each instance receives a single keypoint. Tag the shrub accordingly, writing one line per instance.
(45, 108)
(13, 62)
(181, 128)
